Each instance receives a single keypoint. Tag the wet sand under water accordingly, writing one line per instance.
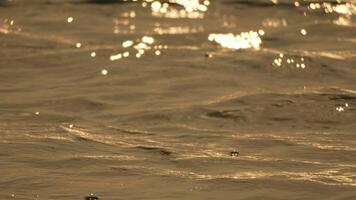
(147, 100)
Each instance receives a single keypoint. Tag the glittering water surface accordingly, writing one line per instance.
(152, 99)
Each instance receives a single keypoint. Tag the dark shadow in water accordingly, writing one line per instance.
(156, 150)
(134, 132)
(343, 97)
(227, 114)
(91, 197)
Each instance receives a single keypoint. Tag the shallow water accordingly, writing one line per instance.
(146, 100)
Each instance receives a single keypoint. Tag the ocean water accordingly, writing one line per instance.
(150, 99)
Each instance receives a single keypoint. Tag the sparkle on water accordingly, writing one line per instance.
(70, 19)
(188, 8)
(127, 43)
(8, 26)
(158, 52)
(348, 8)
(78, 45)
(104, 72)
(174, 30)
(141, 46)
(274, 22)
(303, 31)
(116, 57)
(244, 40)
(289, 61)
(342, 108)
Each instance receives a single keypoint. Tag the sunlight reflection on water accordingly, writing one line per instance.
(189, 8)
(244, 40)
(178, 82)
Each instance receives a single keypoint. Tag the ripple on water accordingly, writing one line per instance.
(186, 84)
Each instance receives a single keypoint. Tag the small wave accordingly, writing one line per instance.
(86, 136)
(132, 131)
(126, 141)
(325, 177)
(50, 137)
(305, 140)
(109, 157)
